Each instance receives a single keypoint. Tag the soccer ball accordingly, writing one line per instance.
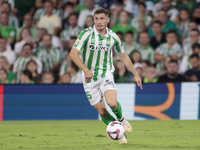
(115, 130)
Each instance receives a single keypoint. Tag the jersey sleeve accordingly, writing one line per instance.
(81, 40)
(118, 45)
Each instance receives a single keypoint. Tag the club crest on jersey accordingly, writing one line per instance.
(104, 48)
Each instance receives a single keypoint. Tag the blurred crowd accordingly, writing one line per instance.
(161, 37)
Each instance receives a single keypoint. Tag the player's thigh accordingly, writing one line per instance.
(93, 93)
(108, 89)
(101, 108)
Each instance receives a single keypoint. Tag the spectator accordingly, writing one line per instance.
(194, 73)
(183, 23)
(135, 56)
(114, 17)
(5, 30)
(48, 78)
(26, 77)
(23, 7)
(65, 79)
(76, 76)
(4, 77)
(27, 23)
(71, 31)
(121, 73)
(190, 5)
(138, 68)
(170, 48)
(32, 67)
(90, 4)
(167, 24)
(124, 26)
(89, 22)
(64, 65)
(68, 9)
(142, 21)
(129, 43)
(9, 54)
(25, 56)
(25, 36)
(150, 75)
(147, 52)
(49, 55)
(159, 37)
(42, 12)
(56, 42)
(50, 21)
(194, 38)
(70, 45)
(145, 64)
(120, 35)
(172, 73)
(4, 64)
(82, 6)
(13, 21)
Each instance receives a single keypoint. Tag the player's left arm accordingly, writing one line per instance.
(127, 62)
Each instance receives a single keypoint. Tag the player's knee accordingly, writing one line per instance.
(103, 113)
(112, 104)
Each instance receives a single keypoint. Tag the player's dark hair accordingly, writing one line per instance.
(101, 10)
(195, 30)
(28, 74)
(129, 32)
(195, 45)
(194, 56)
(28, 44)
(73, 65)
(7, 4)
(157, 22)
(73, 14)
(171, 31)
(143, 4)
(173, 61)
(73, 37)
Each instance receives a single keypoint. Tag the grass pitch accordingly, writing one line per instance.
(91, 135)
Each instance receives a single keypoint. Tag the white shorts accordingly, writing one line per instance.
(95, 90)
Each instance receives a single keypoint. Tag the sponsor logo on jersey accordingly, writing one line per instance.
(77, 41)
(108, 83)
(104, 48)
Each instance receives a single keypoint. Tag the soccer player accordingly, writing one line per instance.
(95, 44)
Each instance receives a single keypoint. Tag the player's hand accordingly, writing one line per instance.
(138, 81)
(88, 76)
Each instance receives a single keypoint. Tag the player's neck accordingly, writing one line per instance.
(102, 32)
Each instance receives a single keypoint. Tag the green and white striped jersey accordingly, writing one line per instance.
(183, 29)
(49, 58)
(146, 53)
(129, 48)
(41, 12)
(164, 50)
(97, 51)
(187, 46)
(63, 68)
(69, 32)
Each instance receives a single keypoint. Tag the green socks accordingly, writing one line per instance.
(118, 111)
(108, 119)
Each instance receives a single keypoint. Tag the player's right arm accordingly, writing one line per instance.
(76, 59)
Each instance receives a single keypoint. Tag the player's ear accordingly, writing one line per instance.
(108, 20)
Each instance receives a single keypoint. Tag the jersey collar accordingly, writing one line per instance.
(96, 32)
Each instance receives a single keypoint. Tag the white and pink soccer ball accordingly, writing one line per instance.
(115, 130)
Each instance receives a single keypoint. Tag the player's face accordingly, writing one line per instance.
(171, 38)
(101, 21)
(172, 69)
